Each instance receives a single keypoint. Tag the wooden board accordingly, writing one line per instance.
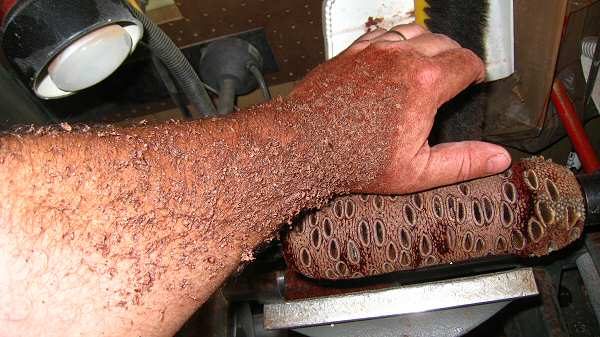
(517, 105)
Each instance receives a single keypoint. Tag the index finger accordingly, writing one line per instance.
(459, 68)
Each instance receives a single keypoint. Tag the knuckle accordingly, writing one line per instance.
(385, 44)
(446, 40)
(420, 28)
(416, 29)
(428, 75)
(357, 46)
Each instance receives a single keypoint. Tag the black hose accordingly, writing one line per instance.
(261, 81)
(168, 82)
(179, 67)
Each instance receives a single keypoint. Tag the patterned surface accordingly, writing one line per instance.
(532, 209)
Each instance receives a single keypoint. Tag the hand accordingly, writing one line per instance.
(403, 82)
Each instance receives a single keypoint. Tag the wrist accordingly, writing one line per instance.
(339, 148)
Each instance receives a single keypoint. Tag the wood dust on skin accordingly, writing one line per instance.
(163, 211)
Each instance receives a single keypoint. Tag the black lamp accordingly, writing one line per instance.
(59, 47)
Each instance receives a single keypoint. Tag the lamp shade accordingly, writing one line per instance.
(61, 47)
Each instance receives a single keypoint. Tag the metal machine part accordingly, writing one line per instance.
(424, 297)
(261, 287)
(225, 65)
(590, 185)
(591, 279)
(445, 323)
(562, 305)
(588, 52)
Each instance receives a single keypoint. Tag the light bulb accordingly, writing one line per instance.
(90, 59)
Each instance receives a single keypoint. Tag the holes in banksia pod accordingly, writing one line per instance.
(430, 260)
(480, 246)
(450, 205)
(327, 228)
(509, 192)
(391, 252)
(409, 215)
(405, 238)
(535, 230)
(545, 213)
(338, 209)
(517, 240)
(353, 254)
(378, 203)
(417, 201)
(464, 189)
(315, 238)
(438, 206)
(405, 258)
(552, 190)
(531, 179)
(467, 242)
(333, 250)
(425, 247)
(349, 209)
(379, 233)
(460, 211)
(488, 209)
(305, 258)
(477, 213)
(313, 219)
(507, 217)
(364, 233)
(501, 244)
(341, 268)
(388, 267)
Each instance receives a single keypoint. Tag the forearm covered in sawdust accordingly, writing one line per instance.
(113, 231)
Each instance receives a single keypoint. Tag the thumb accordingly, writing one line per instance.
(451, 163)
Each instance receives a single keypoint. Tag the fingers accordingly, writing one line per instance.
(372, 35)
(363, 42)
(410, 31)
(459, 68)
(452, 163)
(401, 33)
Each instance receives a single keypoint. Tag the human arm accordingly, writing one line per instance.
(118, 231)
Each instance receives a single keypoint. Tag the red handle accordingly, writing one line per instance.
(575, 130)
(5, 6)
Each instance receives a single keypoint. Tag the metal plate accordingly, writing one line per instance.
(442, 323)
(416, 298)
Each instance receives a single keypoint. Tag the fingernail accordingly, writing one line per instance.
(497, 163)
